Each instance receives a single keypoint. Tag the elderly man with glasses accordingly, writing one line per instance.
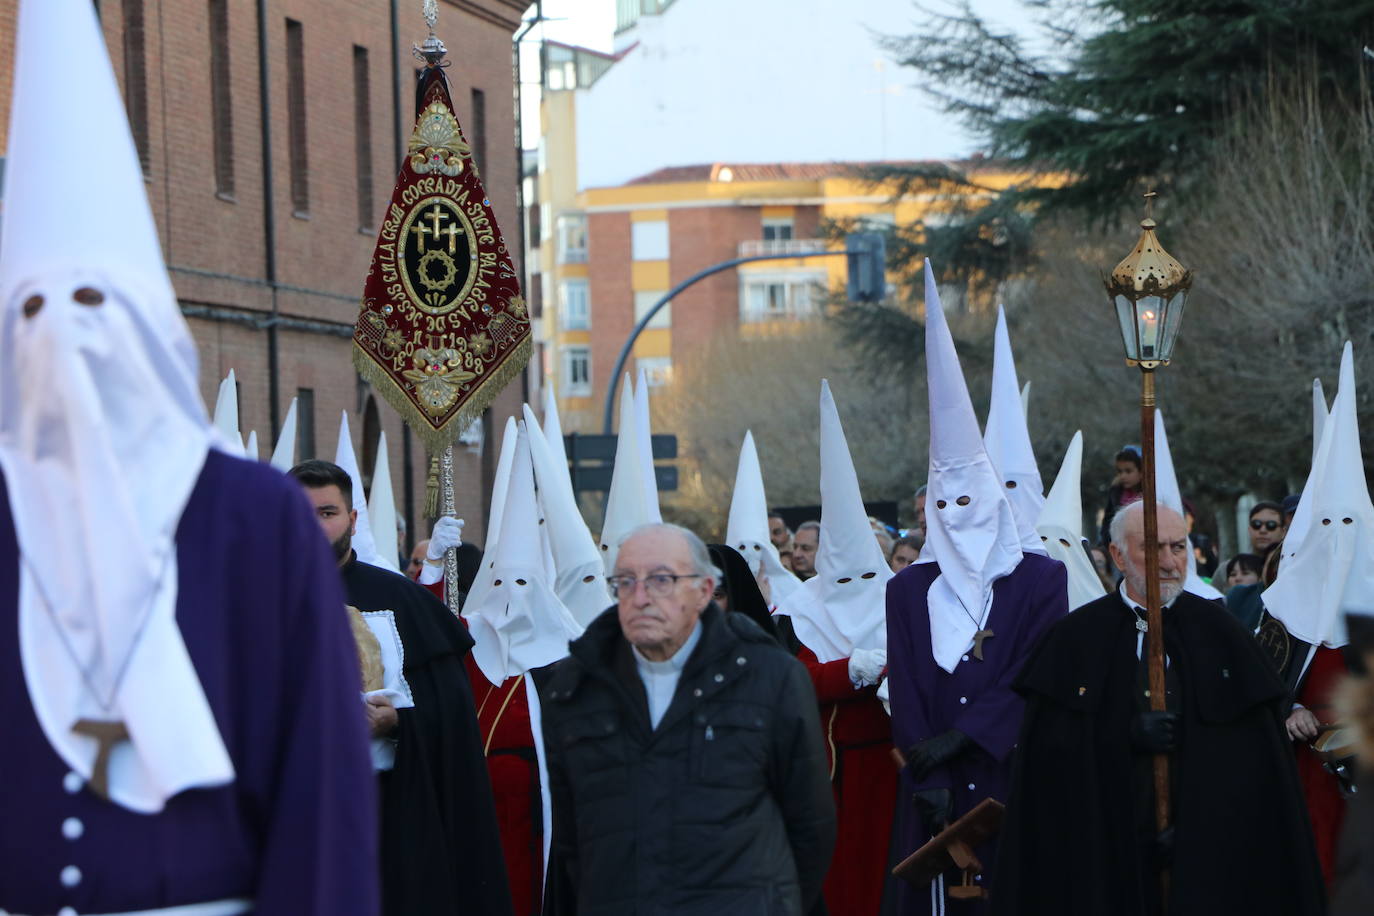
(685, 756)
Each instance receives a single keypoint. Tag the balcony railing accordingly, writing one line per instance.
(752, 247)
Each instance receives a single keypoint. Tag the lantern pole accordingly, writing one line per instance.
(1154, 613)
(1149, 288)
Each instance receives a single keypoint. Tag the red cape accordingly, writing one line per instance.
(858, 742)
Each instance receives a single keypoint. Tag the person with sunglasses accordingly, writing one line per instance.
(1267, 527)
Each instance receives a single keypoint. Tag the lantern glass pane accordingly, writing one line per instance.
(1149, 319)
(1173, 320)
(1125, 313)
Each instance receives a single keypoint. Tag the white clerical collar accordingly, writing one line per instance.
(676, 661)
(1136, 605)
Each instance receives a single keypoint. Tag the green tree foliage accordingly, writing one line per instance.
(1119, 92)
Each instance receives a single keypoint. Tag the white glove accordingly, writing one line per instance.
(866, 666)
(447, 534)
(885, 695)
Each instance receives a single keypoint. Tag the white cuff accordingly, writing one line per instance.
(430, 574)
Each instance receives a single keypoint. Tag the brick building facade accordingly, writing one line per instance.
(272, 291)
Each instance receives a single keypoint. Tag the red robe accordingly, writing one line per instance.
(503, 719)
(1325, 805)
(859, 748)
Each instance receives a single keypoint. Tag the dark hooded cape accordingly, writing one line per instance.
(440, 847)
(741, 588)
(1070, 840)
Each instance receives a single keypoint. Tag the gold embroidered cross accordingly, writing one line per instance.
(107, 735)
(420, 230)
(978, 642)
(435, 215)
(452, 232)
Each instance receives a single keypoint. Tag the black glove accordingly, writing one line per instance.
(935, 806)
(1164, 848)
(1155, 732)
(934, 752)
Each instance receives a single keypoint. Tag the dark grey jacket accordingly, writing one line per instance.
(723, 810)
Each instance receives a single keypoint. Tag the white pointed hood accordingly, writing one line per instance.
(1327, 567)
(481, 583)
(284, 454)
(1008, 441)
(627, 505)
(519, 623)
(644, 438)
(346, 458)
(970, 529)
(747, 527)
(226, 418)
(580, 580)
(381, 506)
(103, 433)
(553, 433)
(1319, 415)
(250, 448)
(1167, 494)
(1061, 527)
(844, 606)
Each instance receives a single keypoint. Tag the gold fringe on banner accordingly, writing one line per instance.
(478, 400)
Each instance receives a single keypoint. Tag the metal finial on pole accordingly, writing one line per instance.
(432, 51)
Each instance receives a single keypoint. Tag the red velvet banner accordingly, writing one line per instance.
(443, 326)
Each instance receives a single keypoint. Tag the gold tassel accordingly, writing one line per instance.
(432, 489)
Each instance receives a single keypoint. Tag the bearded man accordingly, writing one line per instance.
(440, 851)
(1080, 834)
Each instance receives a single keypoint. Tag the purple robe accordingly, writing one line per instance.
(977, 699)
(260, 608)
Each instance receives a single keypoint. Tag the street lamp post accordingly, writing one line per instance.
(1148, 290)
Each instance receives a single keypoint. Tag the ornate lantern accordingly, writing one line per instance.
(1149, 289)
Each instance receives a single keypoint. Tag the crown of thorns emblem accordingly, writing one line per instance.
(447, 265)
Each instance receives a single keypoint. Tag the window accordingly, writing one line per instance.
(644, 300)
(649, 240)
(136, 78)
(362, 134)
(777, 230)
(305, 424)
(572, 238)
(221, 108)
(295, 115)
(477, 129)
(574, 306)
(658, 370)
(577, 372)
(773, 297)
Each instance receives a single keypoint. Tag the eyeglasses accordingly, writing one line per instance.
(657, 585)
(1256, 525)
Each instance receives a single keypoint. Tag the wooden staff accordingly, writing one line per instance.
(1154, 635)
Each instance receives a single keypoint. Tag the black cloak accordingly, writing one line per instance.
(440, 847)
(1243, 842)
(741, 588)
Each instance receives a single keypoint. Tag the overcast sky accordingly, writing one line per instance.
(591, 24)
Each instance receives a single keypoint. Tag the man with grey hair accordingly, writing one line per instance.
(685, 757)
(804, 545)
(1240, 840)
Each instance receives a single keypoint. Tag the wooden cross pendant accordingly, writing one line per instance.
(978, 642)
(107, 735)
